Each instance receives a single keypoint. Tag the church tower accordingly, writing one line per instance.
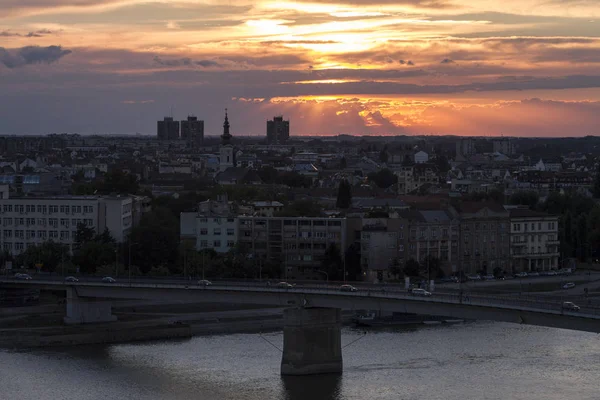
(226, 151)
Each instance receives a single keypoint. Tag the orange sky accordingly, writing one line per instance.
(467, 67)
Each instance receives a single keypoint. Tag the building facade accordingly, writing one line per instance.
(27, 221)
(278, 130)
(485, 238)
(167, 129)
(383, 244)
(534, 243)
(192, 130)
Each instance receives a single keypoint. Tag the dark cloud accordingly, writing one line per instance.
(437, 4)
(447, 61)
(14, 58)
(406, 62)
(185, 62)
(38, 33)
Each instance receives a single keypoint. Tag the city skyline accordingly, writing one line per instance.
(379, 67)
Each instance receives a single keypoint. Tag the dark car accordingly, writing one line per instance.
(108, 279)
(71, 279)
(25, 277)
(348, 288)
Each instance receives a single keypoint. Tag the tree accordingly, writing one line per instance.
(332, 263)
(50, 254)
(383, 155)
(343, 163)
(353, 265)
(344, 196)
(157, 238)
(431, 267)
(83, 235)
(596, 189)
(383, 178)
(301, 208)
(268, 174)
(117, 181)
(526, 198)
(411, 268)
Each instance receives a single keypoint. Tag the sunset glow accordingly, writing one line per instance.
(467, 67)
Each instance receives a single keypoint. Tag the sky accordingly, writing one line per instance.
(362, 67)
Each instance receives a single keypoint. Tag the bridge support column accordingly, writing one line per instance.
(87, 310)
(312, 342)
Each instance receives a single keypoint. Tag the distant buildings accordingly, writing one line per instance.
(504, 146)
(192, 130)
(168, 129)
(278, 130)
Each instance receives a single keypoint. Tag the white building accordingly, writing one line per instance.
(534, 243)
(27, 221)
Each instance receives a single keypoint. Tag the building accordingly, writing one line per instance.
(465, 148)
(266, 208)
(383, 244)
(168, 129)
(412, 177)
(192, 130)
(534, 243)
(298, 243)
(27, 221)
(226, 151)
(278, 130)
(504, 146)
(434, 233)
(484, 236)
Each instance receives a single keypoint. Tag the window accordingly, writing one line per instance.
(539, 226)
(289, 222)
(533, 226)
(89, 222)
(76, 209)
(19, 208)
(203, 244)
(7, 233)
(64, 222)
(334, 223)
(19, 221)
(53, 234)
(41, 234)
(74, 222)
(88, 209)
(53, 222)
(20, 234)
(42, 221)
(30, 221)
(401, 247)
(64, 209)
(30, 208)
(217, 220)
(217, 231)
(230, 243)
(40, 209)
(7, 221)
(64, 235)
(230, 219)
(217, 243)
(53, 209)
(230, 231)
(30, 234)
(19, 246)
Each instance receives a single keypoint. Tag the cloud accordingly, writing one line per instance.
(14, 58)
(185, 62)
(406, 62)
(447, 61)
(38, 33)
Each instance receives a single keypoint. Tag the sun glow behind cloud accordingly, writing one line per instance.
(371, 66)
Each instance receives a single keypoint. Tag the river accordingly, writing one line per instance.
(472, 361)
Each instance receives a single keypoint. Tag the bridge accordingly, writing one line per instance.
(312, 318)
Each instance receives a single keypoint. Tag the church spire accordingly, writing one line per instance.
(226, 136)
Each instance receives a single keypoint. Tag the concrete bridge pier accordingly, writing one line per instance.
(312, 341)
(87, 310)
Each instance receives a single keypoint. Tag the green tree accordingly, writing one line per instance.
(596, 188)
(332, 263)
(301, 208)
(117, 181)
(50, 254)
(83, 235)
(411, 268)
(527, 198)
(383, 178)
(156, 238)
(344, 196)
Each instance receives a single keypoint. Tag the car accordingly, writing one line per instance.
(567, 305)
(552, 273)
(521, 275)
(284, 285)
(348, 288)
(533, 274)
(204, 282)
(71, 279)
(420, 292)
(569, 285)
(474, 277)
(25, 277)
(108, 279)
(489, 277)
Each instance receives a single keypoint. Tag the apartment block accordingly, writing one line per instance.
(383, 243)
(298, 242)
(534, 243)
(27, 221)
(485, 237)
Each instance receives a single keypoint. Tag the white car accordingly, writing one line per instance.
(204, 282)
(71, 279)
(348, 288)
(569, 285)
(420, 292)
(284, 285)
(567, 305)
